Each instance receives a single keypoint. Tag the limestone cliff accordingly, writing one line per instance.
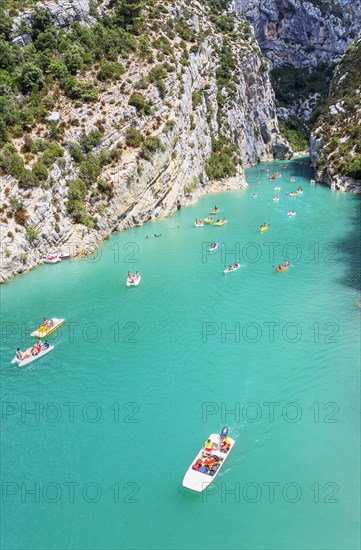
(302, 33)
(336, 138)
(192, 103)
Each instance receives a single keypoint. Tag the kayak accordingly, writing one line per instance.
(197, 480)
(214, 211)
(53, 259)
(291, 213)
(28, 358)
(277, 270)
(233, 268)
(276, 198)
(133, 282)
(208, 221)
(221, 222)
(264, 228)
(210, 249)
(44, 331)
(277, 189)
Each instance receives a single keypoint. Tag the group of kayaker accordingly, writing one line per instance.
(234, 266)
(132, 278)
(283, 266)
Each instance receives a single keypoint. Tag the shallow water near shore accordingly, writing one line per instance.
(140, 377)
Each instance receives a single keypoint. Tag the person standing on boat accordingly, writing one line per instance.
(226, 444)
(208, 446)
(46, 344)
(19, 354)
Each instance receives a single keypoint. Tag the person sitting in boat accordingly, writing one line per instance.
(230, 268)
(39, 343)
(235, 264)
(19, 354)
(208, 446)
(46, 344)
(157, 234)
(35, 350)
(226, 444)
(45, 323)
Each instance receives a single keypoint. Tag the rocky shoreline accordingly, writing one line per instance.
(77, 241)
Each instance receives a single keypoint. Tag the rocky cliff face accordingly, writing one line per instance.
(192, 115)
(302, 33)
(336, 139)
(307, 34)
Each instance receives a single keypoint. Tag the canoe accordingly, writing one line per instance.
(42, 332)
(198, 481)
(134, 282)
(221, 222)
(280, 270)
(262, 229)
(28, 358)
(210, 249)
(233, 268)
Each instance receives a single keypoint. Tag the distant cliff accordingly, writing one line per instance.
(336, 137)
(302, 33)
(303, 41)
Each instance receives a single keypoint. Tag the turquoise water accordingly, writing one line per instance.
(141, 376)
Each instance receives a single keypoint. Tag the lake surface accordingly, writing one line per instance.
(97, 436)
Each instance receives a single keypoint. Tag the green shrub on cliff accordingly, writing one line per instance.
(296, 133)
(223, 160)
(150, 146)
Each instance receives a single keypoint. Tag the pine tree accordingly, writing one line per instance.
(130, 14)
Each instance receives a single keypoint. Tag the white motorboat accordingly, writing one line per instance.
(206, 465)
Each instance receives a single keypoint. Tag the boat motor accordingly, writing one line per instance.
(224, 431)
